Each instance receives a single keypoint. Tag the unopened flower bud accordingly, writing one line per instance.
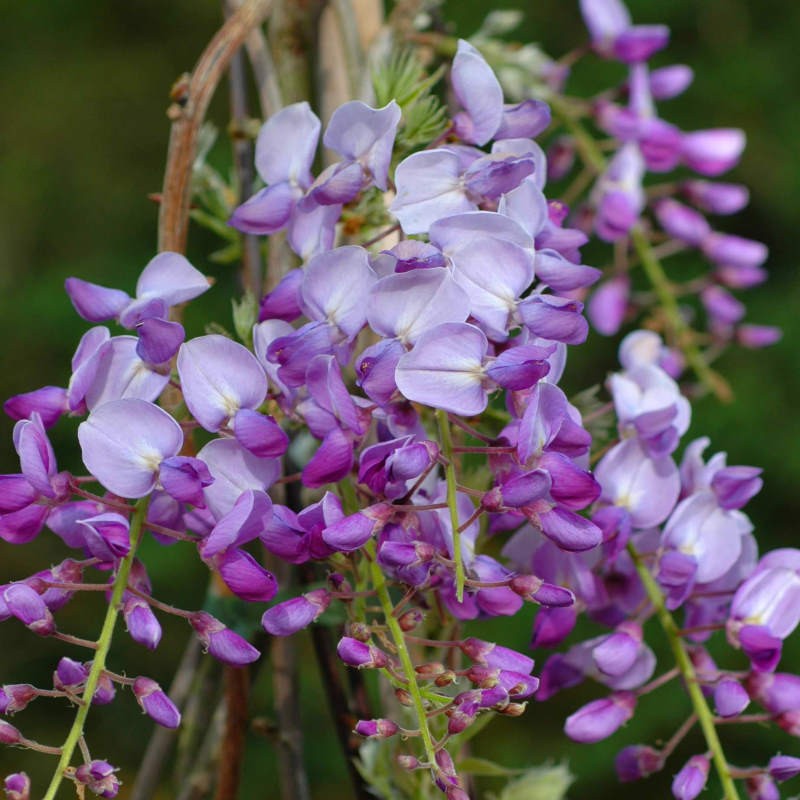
(513, 709)
(778, 692)
(221, 642)
(376, 728)
(15, 696)
(456, 793)
(446, 678)
(69, 674)
(99, 777)
(637, 761)
(105, 691)
(9, 734)
(143, 626)
(691, 780)
(155, 703)
(360, 631)
(404, 697)
(359, 654)
(600, 718)
(410, 620)
(781, 768)
(17, 786)
(293, 615)
(430, 670)
(762, 787)
(483, 677)
(789, 721)
(407, 762)
(28, 607)
(730, 698)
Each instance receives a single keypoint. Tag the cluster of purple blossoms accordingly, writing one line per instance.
(650, 221)
(335, 435)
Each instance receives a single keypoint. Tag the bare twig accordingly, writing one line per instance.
(192, 98)
(237, 690)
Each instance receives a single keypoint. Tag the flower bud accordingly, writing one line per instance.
(513, 709)
(410, 620)
(17, 786)
(445, 679)
(69, 674)
(376, 728)
(407, 762)
(717, 198)
(105, 691)
(404, 697)
(221, 642)
(293, 615)
(782, 768)
(15, 696)
(637, 761)
(600, 718)
(29, 608)
(757, 336)
(496, 656)
(360, 631)
(778, 692)
(155, 703)
(691, 780)
(762, 787)
(143, 626)
(9, 734)
(99, 777)
(730, 698)
(360, 654)
(430, 670)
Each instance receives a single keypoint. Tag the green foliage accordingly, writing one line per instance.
(245, 315)
(549, 782)
(403, 78)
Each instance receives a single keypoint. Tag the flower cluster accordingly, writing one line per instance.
(395, 407)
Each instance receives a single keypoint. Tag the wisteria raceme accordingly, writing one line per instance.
(385, 451)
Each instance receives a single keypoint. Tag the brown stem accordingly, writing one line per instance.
(243, 162)
(187, 114)
(237, 690)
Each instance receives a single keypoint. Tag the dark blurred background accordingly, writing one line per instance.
(82, 96)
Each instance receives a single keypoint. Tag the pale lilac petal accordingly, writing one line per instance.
(287, 144)
(609, 304)
(336, 286)
(84, 364)
(561, 275)
(171, 278)
(478, 91)
(405, 305)
(267, 211)
(260, 434)
(249, 517)
(493, 273)
(121, 374)
(95, 303)
(312, 227)
(340, 183)
(648, 488)
(526, 205)
(123, 442)
(445, 369)
(218, 377)
(332, 461)
(525, 120)
(159, 340)
(712, 152)
(458, 233)
(428, 188)
(36, 456)
(235, 470)
(49, 402)
(366, 135)
(605, 19)
(640, 42)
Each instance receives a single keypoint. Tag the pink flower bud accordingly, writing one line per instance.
(99, 777)
(360, 655)
(376, 728)
(600, 718)
(691, 780)
(9, 734)
(221, 642)
(637, 761)
(17, 786)
(155, 703)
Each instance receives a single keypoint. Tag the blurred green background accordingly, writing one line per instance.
(82, 95)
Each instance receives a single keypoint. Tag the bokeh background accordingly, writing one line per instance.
(83, 91)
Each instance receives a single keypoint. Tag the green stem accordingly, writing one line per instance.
(704, 716)
(379, 582)
(103, 646)
(452, 500)
(594, 158)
